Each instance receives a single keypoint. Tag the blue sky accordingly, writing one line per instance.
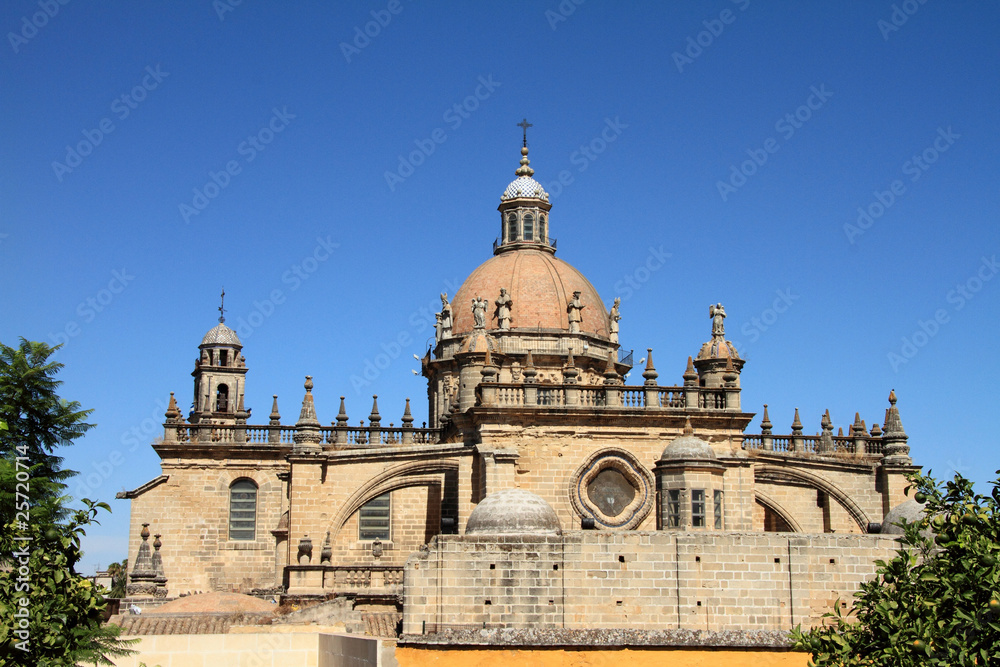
(827, 171)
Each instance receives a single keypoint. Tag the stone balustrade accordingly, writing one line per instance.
(632, 397)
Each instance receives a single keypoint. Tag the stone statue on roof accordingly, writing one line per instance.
(718, 314)
(445, 314)
(575, 310)
(504, 304)
(613, 317)
(479, 313)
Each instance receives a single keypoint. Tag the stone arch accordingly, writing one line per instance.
(777, 508)
(773, 473)
(418, 473)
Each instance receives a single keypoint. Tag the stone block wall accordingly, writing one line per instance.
(191, 511)
(637, 580)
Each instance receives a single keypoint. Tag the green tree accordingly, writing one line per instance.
(49, 613)
(119, 578)
(937, 602)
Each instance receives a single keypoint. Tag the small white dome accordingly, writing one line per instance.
(910, 510)
(513, 512)
(220, 334)
(524, 186)
(688, 448)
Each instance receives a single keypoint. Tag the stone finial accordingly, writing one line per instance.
(307, 427)
(611, 375)
(275, 415)
(407, 416)
(825, 442)
(876, 431)
(858, 427)
(159, 576)
(374, 419)
(529, 371)
(690, 374)
(840, 432)
(489, 371)
(305, 551)
(141, 578)
(688, 429)
(173, 413)
(765, 423)
(796, 424)
(650, 373)
(342, 415)
(570, 373)
(326, 554)
(729, 374)
(897, 452)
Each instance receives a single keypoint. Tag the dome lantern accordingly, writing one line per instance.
(524, 209)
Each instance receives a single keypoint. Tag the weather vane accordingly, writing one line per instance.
(222, 307)
(524, 125)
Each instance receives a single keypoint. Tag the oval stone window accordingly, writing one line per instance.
(611, 491)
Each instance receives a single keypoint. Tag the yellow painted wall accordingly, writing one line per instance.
(409, 656)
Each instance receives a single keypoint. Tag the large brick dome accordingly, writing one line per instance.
(540, 286)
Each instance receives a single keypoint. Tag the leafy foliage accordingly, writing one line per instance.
(49, 613)
(938, 601)
(37, 422)
(119, 578)
(64, 610)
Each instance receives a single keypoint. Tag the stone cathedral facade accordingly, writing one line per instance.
(544, 491)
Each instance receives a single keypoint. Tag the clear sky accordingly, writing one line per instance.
(827, 171)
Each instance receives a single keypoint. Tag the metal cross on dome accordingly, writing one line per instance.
(524, 125)
(222, 307)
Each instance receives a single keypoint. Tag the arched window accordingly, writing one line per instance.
(541, 229)
(512, 227)
(222, 398)
(374, 518)
(242, 510)
(529, 227)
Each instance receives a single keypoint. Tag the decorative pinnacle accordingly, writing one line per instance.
(650, 373)
(530, 361)
(374, 417)
(309, 384)
(826, 422)
(796, 424)
(610, 371)
(688, 429)
(275, 415)
(690, 374)
(765, 422)
(570, 362)
(342, 415)
(407, 416)
(222, 307)
(892, 397)
(173, 412)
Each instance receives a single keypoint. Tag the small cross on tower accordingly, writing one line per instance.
(524, 125)
(222, 307)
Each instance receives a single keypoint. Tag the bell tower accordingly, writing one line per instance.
(219, 375)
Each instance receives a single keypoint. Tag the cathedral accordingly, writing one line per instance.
(543, 492)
